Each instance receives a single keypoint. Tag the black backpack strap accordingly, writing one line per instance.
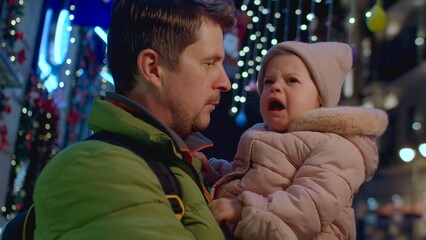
(167, 179)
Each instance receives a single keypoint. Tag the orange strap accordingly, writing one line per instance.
(206, 193)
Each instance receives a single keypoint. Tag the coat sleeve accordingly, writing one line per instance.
(221, 166)
(323, 185)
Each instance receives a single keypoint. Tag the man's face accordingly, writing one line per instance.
(193, 90)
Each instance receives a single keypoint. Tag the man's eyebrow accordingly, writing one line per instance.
(216, 57)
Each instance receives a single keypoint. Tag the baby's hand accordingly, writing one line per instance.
(225, 209)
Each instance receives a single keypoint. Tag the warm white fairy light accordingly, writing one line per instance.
(67, 71)
(79, 73)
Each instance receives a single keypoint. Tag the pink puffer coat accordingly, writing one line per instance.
(300, 184)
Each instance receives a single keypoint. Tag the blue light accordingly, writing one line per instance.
(44, 66)
(101, 33)
(241, 119)
(51, 83)
(107, 77)
(62, 37)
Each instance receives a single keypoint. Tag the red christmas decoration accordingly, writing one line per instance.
(19, 36)
(3, 137)
(73, 116)
(4, 109)
(21, 57)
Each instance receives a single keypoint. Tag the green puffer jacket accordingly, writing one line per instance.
(95, 190)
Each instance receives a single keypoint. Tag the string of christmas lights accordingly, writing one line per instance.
(273, 21)
(11, 34)
(34, 146)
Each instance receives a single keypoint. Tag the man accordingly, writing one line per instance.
(166, 60)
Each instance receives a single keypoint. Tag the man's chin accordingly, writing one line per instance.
(203, 123)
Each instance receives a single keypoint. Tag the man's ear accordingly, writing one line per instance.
(148, 66)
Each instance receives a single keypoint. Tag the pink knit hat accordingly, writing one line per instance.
(328, 62)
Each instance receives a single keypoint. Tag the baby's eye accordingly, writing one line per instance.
(292, 80)
(268, 81)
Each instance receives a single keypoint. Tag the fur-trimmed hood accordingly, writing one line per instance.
(342, 121)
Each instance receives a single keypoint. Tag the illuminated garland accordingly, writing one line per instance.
(86, 86)
(11, 34)
(34, 147)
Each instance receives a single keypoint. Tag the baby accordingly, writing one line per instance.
(294, 175)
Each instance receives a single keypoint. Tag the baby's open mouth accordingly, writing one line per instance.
(276, 106)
